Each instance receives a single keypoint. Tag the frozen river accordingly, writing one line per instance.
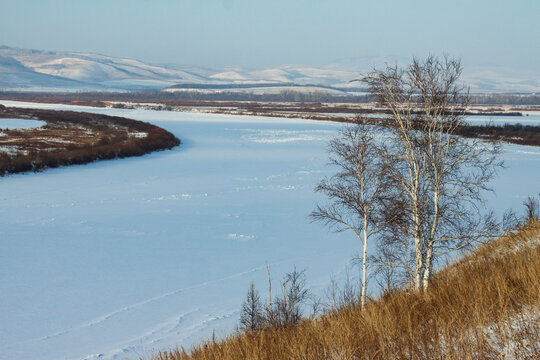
(121, 258)
(20, 123)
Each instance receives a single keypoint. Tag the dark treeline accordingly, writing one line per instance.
(506, 99)
(511, 133)
(96, 98)
(113, 140)
(162, 96)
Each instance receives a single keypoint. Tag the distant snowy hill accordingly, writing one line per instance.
(35, 69)
(500, 79)
(24, 69)
(14, 75)
(288, 74)
(481, 79)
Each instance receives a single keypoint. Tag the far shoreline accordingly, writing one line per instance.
(518, 134)
(72, 138)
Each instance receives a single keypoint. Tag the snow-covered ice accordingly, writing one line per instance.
(123, 258)
(6, 123)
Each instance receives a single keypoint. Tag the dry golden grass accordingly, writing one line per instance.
(484, 306)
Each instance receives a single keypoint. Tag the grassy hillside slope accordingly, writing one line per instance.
(484, 306)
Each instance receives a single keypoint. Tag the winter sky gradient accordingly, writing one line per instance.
(277, 32)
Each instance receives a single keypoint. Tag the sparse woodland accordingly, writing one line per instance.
(76, 138)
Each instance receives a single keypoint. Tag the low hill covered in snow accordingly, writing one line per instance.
(35, 69)
(40, 70)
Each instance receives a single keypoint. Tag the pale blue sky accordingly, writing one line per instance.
(277, 32)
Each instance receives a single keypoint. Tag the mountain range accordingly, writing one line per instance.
(39, 70)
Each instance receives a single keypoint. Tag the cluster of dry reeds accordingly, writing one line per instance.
(484, 306)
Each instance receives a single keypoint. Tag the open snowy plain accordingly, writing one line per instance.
(119, 259)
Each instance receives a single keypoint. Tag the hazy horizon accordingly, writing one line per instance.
(263, 33)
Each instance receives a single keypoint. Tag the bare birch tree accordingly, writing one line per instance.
(355, 191)
(440, 178)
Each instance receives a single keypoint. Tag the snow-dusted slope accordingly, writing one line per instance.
(14, 75)
(288, 74)
(500, 79)
(92, 69)
(116, 259)
(36, 69)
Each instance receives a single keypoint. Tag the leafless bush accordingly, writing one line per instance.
(252, 315)
(342, 296)
(287, 309)
(532, 209)
(282, 310)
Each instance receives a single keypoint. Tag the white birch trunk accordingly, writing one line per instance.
(428, 266)
(429, 250)
(419, 257)
(364, 261)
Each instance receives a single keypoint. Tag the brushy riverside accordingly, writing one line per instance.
(76, 138)
(511, 133)
(484, 306)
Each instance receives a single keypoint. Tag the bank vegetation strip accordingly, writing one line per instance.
(70, 138)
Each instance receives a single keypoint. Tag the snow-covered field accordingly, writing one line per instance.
(118, 259)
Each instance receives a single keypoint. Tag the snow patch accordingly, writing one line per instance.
(138, 134)
(13, 150)
(171, 197)
(240, 237)
(277, 136)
